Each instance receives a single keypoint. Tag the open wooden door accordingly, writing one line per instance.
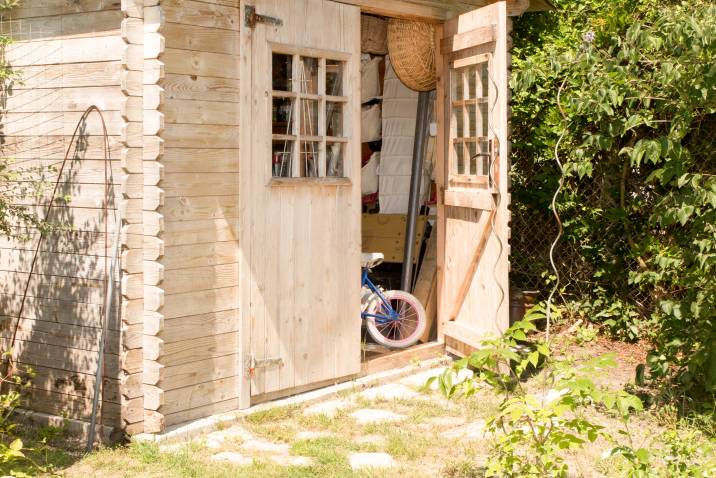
(473, 150)
(300, 195)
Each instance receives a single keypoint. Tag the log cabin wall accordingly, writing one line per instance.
(68, 56)
(199, 350)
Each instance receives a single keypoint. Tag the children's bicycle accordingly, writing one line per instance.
(394, 318)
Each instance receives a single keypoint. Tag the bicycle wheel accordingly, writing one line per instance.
(406, 329)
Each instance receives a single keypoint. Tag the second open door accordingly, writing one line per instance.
(473, 151)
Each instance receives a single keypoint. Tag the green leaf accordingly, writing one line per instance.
(643, 455)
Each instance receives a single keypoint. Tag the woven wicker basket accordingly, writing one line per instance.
(373, 34)
(411, 46)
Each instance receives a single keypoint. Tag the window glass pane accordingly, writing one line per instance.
(308, 75)
(308, 159)
(334, 78)
(482, 119)
(281, 158)
(472, 120)
(484, 159)
(471, 77)
(309, 117)
(473, 158)
(484, 86)
(334, 160)
(457, 92)
(458, 121)
(459, 164)
(282, 68)
(334, 119)
(282, 116)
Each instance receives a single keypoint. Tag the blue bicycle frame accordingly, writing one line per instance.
(379, 318)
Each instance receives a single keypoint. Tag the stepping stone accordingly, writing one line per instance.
(265, 446)
(369, 415)
(392, 391)
(418, 380)
(233, 457)
(309, 435)
(370, 460)
(291, 460)
(214, 444)
(216, 439)
(471, 431)
(329, 409)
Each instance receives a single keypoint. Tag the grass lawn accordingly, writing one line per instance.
(434, 438)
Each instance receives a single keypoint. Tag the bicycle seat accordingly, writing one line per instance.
(371, 259)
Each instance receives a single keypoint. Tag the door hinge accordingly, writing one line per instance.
(251, 364)
(251, 18)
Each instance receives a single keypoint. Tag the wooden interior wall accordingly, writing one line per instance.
(199, 355)
(69, 56)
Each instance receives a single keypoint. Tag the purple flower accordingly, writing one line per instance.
(589, 36)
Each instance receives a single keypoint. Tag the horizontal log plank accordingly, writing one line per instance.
(200, 412)
(190, 351)
(187, 62)
(96, 74)
(201, 38)
(200, 112)
(199, 207)
(204, 184)
(60, 124)
(199, 371)
(200, 302)
(201, 136)
(193, 87)
(177, 233)
(38, 28)
(189, 160)
(41, 8)
(64, 335)
(200, 255)
(199, 395)
(200, 278)
(202, 325)
(55, 147)
(189, 12)
(106, 98)
(66, 50)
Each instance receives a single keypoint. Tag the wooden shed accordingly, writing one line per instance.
(238, 275)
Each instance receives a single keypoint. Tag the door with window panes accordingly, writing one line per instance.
(473, 157)
(300, 190)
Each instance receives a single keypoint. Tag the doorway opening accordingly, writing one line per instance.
(388, 117)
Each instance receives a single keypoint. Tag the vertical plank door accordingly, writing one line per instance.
(473, 153)
(299, 195)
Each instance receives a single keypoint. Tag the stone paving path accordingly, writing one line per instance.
(238, 445)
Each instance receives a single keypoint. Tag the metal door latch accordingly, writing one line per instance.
(251, 18)
(251, 364)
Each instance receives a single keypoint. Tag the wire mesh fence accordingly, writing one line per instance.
(596, 250)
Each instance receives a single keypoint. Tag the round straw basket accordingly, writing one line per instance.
(411, 46)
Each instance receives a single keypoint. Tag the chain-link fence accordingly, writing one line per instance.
(596, 250)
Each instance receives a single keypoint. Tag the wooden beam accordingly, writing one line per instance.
(436, 11)
(470, 273)
(426, 11)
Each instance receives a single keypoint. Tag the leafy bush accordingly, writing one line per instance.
(638, 121)
(532, 427)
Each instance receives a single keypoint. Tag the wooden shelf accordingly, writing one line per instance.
(310, 182)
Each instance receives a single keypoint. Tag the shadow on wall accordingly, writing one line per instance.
(57, 334)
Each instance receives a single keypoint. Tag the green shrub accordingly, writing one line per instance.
(534, 426)
(638, 122)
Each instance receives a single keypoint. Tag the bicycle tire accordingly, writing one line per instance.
(405, 331)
